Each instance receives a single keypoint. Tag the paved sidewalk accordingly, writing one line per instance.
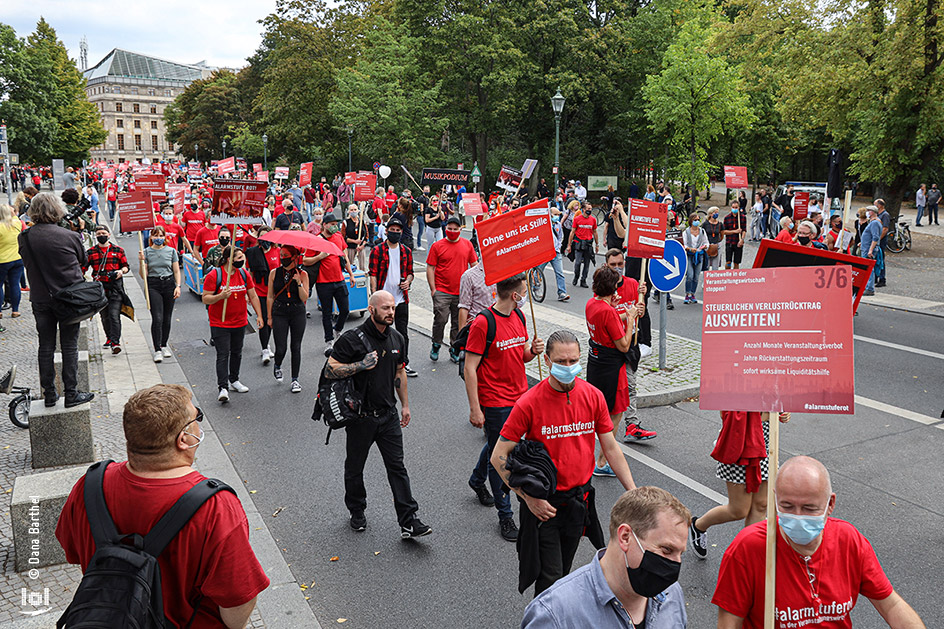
(114, 378)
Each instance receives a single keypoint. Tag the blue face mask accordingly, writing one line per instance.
(565, 374)
(157, 241)
(714, 216)
(555, 219)
(801, 529)
(696, 223)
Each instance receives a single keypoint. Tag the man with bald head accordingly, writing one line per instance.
(823, 563)
(373, 354)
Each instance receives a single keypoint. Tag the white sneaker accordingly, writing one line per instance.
(296, 388)
(238, 386)
(223, 396)
(329, 348)
(420, 249)
(158, 357)
(266, 356)
(644, 350)
(166, 352)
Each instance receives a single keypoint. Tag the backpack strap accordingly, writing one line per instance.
(180, 513)
(100, 521)
(490, 329)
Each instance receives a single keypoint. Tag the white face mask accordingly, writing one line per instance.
(168, 217)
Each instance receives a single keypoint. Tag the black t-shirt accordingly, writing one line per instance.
(613, 241)
(785, 201)
(713, 231)
(378, 383)
(350, 231)
(432, 217)
(285, 219)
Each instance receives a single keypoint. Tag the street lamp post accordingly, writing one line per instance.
(350, 133)
(196, 152)
(224, 149)
(265, 151)
(557, 104)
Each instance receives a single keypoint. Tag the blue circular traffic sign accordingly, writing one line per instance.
(666, 274)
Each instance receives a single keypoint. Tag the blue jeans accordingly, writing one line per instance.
(692, 273)
(420, 228)
(880, 258)
(495, 417)
(558, 265)
(11, 272)
(879, 262)
(111, 210)
(920, 214)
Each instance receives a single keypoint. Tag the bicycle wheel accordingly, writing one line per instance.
(537, 284)
(895, 242)
(19, 410)
(907, 233)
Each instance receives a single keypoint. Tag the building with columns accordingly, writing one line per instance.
(131, 91)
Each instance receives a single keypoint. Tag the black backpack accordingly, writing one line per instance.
(463, 336)
(122, 585)
(339, 402)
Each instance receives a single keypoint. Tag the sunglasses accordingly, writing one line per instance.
(198, 418)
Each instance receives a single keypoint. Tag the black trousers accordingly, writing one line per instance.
(229, 353)
(583, 258)
(385, 431)
(161, 294)
(401, 323)
(284, 321)
(265, 332)
(336, 291)
(111, 315)
(46, 326)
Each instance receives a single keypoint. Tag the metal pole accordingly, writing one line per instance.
(556, 152)
(4, 150)
(663, 300)
(350, 133)
(265, 153)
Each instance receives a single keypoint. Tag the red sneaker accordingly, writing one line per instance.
(635, 432)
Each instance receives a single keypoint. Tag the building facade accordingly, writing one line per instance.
(131, 92)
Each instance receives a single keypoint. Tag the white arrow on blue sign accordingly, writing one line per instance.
(666, 274)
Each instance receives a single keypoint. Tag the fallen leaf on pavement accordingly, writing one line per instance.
(252, 491)
(335, 559)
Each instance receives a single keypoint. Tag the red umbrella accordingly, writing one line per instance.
(301, 240)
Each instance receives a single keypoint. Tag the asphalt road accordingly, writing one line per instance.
(885, 471)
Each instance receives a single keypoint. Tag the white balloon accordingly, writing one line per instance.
(384, 172)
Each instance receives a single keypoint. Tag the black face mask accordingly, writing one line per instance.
(655, 573)
(285, 262)
(264, 245)
(394, 237)
(803, 240)
(224, 242)
(238, 264)
(102, 239)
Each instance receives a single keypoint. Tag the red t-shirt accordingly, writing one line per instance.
(193, 223)
(272, 259)
(628, 293)
(211, 555)
(391, 199)
(584, 227)
(330, 269)
(784, 236)
(173, 233)
(236, 314)
(451, 260)
(567, 425)
(844, 567)
(112, 192)
(207, 238)
(604, 323)
(501, 375)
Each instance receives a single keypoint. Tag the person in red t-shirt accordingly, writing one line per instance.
(207, 238)
(391, 198)
(174, 234)
(494, 380)
(260, 260)
(193, 221)
(583, 231)
(566, 415)
(230, 285)
(329, 283)
(447, 260)
(111, 195)
(210, 559)
(823, 563)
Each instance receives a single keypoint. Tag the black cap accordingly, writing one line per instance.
(453, 220)
(329, 218)
(394, 221)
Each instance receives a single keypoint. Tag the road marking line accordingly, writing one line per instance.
(678, 477)
(894, 410)
(904, 348)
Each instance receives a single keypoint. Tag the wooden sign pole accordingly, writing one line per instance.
(534, 324)
(773, 462)
(643, 264)
(229, 276)
(147, 295)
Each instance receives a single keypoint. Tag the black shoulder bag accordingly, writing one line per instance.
(76, 302)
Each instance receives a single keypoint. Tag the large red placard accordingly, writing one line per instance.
(226, 166)
(472, 204)
(364, 186)
(304, 174)
(735, 177)
(281, 172)
(801, 205)
(514, 242)
(778, 339)
(151, 183)
(177, 193)
(645, 237)
(135, 211)
(238, 201)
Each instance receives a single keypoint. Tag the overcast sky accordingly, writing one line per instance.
(187, 31)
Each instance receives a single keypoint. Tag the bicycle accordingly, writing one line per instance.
(20, 405)
(899, 239)
(537, 284)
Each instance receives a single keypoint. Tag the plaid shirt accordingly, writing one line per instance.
(380, 262)
(731, 221)
(102, 260)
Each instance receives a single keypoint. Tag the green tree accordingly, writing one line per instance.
(694, 99)
(203, 114)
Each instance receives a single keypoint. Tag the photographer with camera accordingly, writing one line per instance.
(109, 263)
(76, 216)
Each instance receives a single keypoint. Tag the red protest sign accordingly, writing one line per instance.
(304, 174)
(108, 173)
(778, 339)
(349, 178)
(801, 205)
(281, 172)
(135, 211)
(177, 193)
(735, 176)
(472, 204)
(151, 183)
(364, 186)
(645, 237)
(514, 242)
(226, 166)
(262, 175)
(238, 201)
(257, 168)
(773, 253)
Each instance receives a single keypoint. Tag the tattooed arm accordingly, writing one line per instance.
(542, 509)
(337, 371)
